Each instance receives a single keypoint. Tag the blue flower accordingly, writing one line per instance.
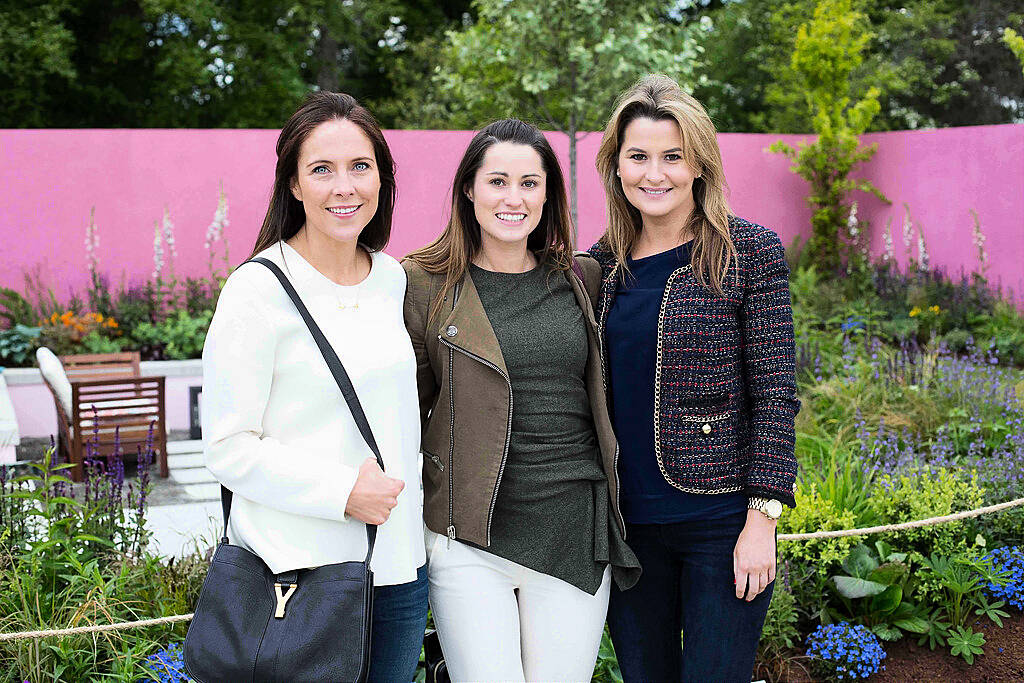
(1010, 561)
(168, 665)
(848, 652)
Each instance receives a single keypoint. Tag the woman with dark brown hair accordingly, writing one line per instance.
(698, 330)
(523, 531)
(279, 433)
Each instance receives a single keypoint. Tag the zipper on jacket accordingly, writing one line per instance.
(508, 427)
(451, 434)
(604, 383)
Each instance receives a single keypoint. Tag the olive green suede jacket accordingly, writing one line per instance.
(466, 401)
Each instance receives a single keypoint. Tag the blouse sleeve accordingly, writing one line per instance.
(766, 326)
(238, 368)
(417, 304)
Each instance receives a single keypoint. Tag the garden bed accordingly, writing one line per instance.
(1003, 659)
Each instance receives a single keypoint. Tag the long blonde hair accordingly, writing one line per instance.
(660, 98)
(551, 241)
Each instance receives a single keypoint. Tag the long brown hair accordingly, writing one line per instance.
(285, 215)
(551, 241)
(660, 98)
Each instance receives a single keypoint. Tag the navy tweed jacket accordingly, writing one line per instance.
(725, 389)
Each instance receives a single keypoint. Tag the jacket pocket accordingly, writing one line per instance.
(434, 459)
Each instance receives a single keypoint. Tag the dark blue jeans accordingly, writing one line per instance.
(687, 585)
(399, 619)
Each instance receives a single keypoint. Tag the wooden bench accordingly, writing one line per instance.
(108, 398)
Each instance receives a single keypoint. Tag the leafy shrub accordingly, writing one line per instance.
(845, 652)
(779, 635)
(813, 513)
(922, 493)
(17, 344)
(178, 337)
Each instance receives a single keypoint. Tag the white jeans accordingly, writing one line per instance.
(499, 621)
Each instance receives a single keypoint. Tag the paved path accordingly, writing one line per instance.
(184, 509)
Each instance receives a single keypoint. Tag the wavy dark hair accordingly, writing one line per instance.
(550, 241)
(285, 215)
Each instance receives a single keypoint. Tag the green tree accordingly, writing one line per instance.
(1015, 42)
(938, 63)
(34, 45)
(560, 64)
(827, 50)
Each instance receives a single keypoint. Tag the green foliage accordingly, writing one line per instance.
(178, 337)
(1015, 42)
(779, 635)
(15, 309)
(606, 669)
(964, 642)
(813, 513)
(68, 561)
(874, 592)
(923, 493)
(826, 51)
(18, 344)
(579, 55)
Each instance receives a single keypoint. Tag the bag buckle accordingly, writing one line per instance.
(284, 591)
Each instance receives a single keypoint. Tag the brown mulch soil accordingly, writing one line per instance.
(1003, 660)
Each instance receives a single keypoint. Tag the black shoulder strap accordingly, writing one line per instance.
(344, 383)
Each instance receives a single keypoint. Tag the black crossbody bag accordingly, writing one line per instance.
(302, 626)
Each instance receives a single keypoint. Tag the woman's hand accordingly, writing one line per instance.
(374, 495)
(753, 559)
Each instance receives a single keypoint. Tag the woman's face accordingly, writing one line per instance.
(655, 177)
(508, 193)
(337, 180)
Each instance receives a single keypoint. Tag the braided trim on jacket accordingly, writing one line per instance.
(750, 336)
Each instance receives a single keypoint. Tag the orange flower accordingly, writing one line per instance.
(54, 318)
(67, 317)
(96, 317)
(111, 323)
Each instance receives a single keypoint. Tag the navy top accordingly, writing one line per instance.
(631, 331)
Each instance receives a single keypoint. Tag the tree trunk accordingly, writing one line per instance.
(572, 178)
(327, 56)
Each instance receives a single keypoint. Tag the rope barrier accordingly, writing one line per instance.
(782, 537)
(903, 525)
(77, 630)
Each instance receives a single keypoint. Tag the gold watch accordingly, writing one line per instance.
(769, 507)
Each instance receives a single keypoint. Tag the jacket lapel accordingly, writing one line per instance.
(468, 328)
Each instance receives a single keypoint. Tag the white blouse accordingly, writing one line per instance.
(278, 431)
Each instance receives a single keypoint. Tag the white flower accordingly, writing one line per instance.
(908, 228)
(978, 237)
(852, 224)
(168, 234)
(889, 253)
(215, 231)
(158, 251)
(922, 251)
(92, 241)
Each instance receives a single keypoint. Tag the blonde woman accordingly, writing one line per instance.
(695, 314)
(523, 530)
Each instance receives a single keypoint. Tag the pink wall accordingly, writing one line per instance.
(49, 179)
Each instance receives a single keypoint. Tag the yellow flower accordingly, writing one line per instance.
(915, 311)
(96, 317)
(934, 309)
(54, 318)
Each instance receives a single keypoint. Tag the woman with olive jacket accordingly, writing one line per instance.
(520, 492)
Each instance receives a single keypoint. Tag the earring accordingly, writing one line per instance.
(617, 174)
